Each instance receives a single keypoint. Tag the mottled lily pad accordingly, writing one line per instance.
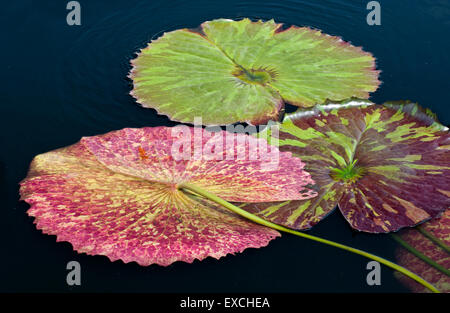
(386, 166)
(439, 228)
(117, 194)
(242, 71)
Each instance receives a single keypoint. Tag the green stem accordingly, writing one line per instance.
(261, 221)
(420, 255)
(430, 236)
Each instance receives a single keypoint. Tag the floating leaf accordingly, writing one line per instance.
(386, 167)
(229, 71)
(116, 194)
(440, 229)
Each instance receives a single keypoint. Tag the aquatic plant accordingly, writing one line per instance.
(242, 71)
(128, 196)
(385, 166)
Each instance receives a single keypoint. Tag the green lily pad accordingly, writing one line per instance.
(242, 71)
(386, 166)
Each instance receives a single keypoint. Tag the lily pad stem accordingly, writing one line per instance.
(263, 222)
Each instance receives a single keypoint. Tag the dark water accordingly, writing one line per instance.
(62, 82)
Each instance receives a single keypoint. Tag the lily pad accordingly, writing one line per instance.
(439, 228)
(117, 194)
(242, 71)
(386, 166)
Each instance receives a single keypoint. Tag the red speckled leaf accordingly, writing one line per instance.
(439, 228)
(387, 167)
(116, 194)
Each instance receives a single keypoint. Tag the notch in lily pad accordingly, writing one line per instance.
(242, 71)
